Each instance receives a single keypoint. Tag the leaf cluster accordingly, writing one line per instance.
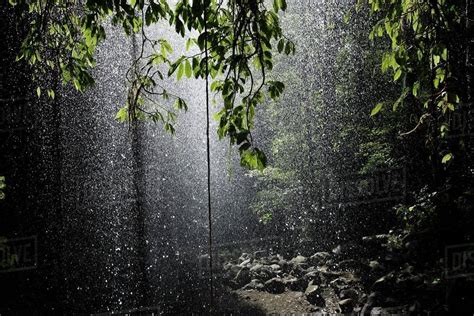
(234, 42)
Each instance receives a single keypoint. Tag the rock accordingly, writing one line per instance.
(275, 286)
(319, 258)
(349, 264)
(391, 302)
(339, 283)
(408, 269)
(374, 299)
(376, 239)
(347, 278)
(262, 272)
(254, 285)
(256, 267)
(328, 276)
(313, 295)
(347, 305)
(312, 276)
(409, 282)
(232, 268)
(375, 243)
(259, 254)
(245, 263)
(242, 278)
(299, 260)
(384, 283)
(275, 267)
(298, 270)
(295, 284)
(285, 266)
(275, 259)
(349, 293)
(375, 265)
(243, 257)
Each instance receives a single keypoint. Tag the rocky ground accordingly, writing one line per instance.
(338, 281)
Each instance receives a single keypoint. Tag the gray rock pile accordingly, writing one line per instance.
(322, 286)
(335, 283)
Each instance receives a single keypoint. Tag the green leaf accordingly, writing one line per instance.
(51, 93)
(179, 75)
(189, 43)
(376, 109)
(447, 158)
(416, 88)
(347, 17)
(188, 69)
(397, 74)
(179, 104)
(281, 45)
(122, 115)
(253, 159)
(215, 85)
(169, 128)
(444, 54)
(38, 92)
(276, 5)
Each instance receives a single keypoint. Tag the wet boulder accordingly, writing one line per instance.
(244, 257)
(275, 267)
(299, 260)
(232, 268)
(373, 300)
(295, 284)
(327, 276)
(285, 265)
(385, 283)
(246, 263)
(376, 239)
(242, 277)
(347, 305)
(319, 258)
(275, 259)
(375, 243)
(376, 266)
(262, 272)
(349, 264)
(254, 285)
(349, 293)
(313, 295)
(312, 276)
(275, 286)
(259, 254)
(256, 267)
